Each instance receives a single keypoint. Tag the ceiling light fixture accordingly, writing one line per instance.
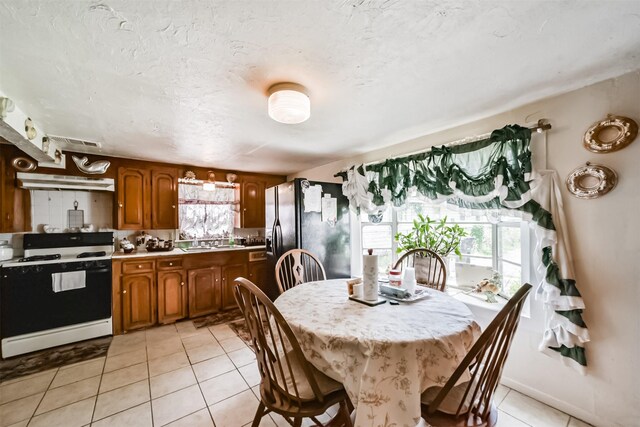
(289, 103)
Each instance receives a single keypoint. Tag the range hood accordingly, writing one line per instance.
(38, 181)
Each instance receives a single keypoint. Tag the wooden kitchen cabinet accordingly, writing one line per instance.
(229, 274)
(147, 198)
(15, 203)
(172, 296)
(252, 201)
(164, 198)
(134, 199)
(138, 301)
(258, 273)
(164, 289)
(205, 291)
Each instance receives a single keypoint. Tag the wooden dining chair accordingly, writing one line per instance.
(290, 385)
(470, 404)
(298, 266)
(431, 270)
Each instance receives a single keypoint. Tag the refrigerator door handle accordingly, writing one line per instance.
(274, 238)
(279, 236)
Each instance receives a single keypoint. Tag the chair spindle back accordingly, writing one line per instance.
(485, 361)
(280, 359)
(298, 266)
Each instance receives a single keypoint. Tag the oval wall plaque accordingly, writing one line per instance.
(591, 181)
(612, 134)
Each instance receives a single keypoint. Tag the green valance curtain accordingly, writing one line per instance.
(494, 174)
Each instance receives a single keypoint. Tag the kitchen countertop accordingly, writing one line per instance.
(180, 252)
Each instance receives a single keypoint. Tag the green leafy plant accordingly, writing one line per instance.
(431, 234)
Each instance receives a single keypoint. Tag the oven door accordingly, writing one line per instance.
(28, 302)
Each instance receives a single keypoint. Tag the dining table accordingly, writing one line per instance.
(384, 355)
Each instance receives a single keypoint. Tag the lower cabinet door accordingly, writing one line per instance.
(138, 301)
(204, 291)
(258, 273)
(229, 274)
(172, 296)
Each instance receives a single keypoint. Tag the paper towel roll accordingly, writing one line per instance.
(370, 276)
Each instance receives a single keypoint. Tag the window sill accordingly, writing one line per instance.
(473, 299)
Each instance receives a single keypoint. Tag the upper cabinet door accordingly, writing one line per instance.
(164, 199)
(253, 203)
(133, 199)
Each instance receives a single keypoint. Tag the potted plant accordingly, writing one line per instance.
(431, 234)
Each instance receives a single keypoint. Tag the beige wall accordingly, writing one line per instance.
(605, 237)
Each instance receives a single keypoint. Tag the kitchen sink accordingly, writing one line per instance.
(209, 248)
(197, 249)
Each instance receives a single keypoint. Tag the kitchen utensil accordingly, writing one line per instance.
(75, 217)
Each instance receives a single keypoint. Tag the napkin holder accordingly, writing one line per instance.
(394, 291)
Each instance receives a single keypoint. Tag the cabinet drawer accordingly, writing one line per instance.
(169, 263)
(137, 266)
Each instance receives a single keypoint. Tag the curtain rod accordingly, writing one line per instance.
(540, 127)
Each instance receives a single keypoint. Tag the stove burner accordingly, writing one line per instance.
(40, 258)
(91, 254)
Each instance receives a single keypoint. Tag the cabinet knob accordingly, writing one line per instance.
(173, 206)
(139, 265)
(120, 204)
(124, 292)
(170, 264)
(250, 274)
(181, 283)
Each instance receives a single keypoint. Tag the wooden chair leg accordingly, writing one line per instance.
(297, 422)
(344, 407)
(259, 415)
(350, 406)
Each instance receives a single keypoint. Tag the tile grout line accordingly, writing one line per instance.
(95, 403)
(146, 352)
(42, 398)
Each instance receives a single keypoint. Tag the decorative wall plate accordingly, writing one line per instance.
(625, 131)
(23, 164)
(591, 181)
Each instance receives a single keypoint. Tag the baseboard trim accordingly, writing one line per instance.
(547, 399)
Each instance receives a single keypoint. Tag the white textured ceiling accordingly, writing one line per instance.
(185, 81)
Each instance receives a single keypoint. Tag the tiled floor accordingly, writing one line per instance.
(178, 375)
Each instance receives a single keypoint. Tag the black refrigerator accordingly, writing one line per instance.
(293, 222)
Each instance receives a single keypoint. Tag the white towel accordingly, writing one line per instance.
(68, 281)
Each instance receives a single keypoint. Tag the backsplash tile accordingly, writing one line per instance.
(50, 207)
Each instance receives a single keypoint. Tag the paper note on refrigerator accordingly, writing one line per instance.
(311, 198)
(329, 209)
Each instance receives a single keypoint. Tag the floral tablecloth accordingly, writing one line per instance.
(385, 355)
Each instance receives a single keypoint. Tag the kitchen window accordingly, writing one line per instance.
(207, 213)
(502, 245)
